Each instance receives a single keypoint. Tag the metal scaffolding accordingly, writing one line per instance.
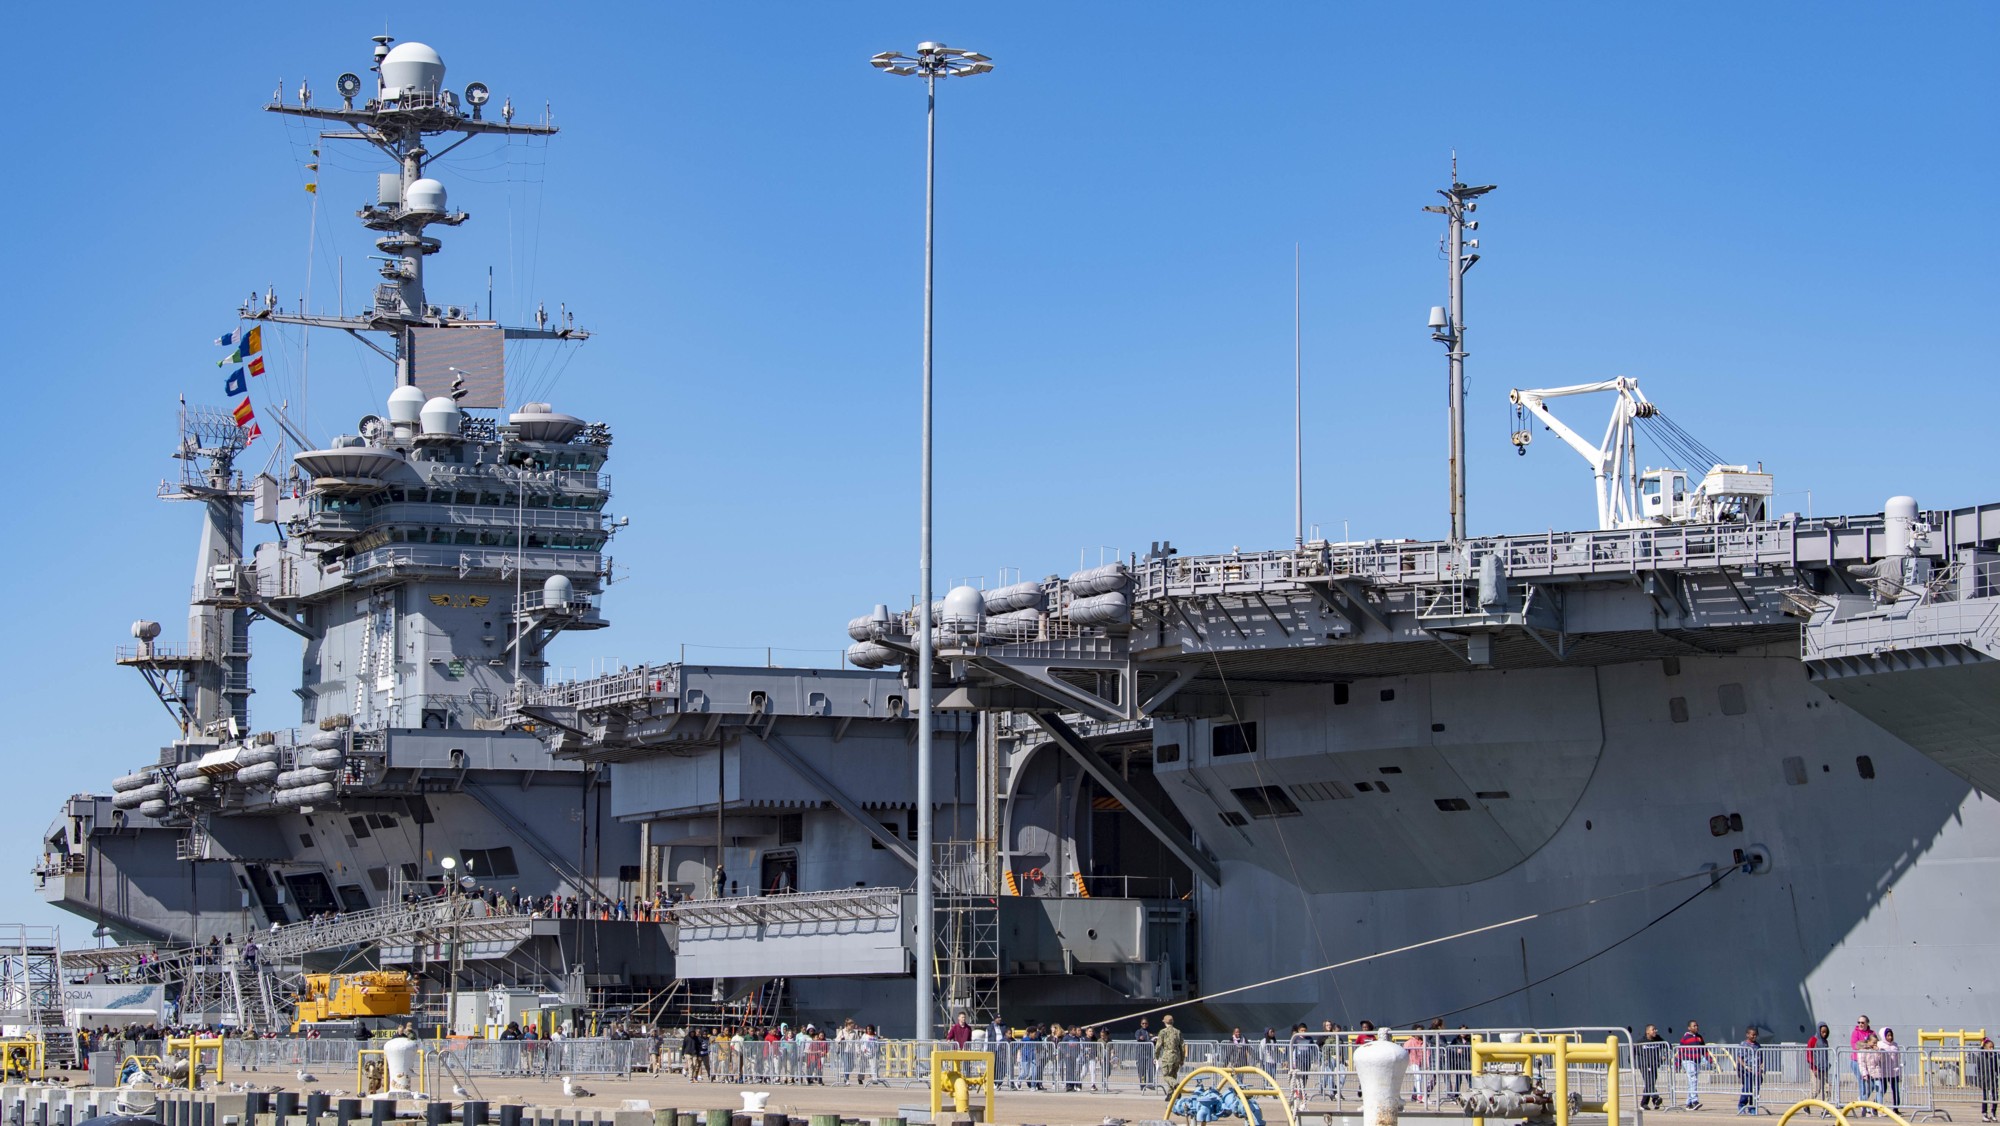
(967, 956)
(31, 988)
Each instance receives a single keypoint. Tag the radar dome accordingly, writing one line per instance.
(411, 68)
(406, 405)
(964, 604)
(557, 591)
(442, 416)
(425, 195)
(145, 631)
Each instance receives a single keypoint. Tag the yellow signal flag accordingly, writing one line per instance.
(313, 188)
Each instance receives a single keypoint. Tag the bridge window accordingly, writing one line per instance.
(1452, 805)
(1233, 818)
(1677, 709)
(1167, 752)
(1795, 771)
(1232, 739)
(1865, 765)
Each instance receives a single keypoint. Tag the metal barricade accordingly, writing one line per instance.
(593, 1056)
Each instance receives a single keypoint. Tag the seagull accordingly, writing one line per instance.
(458, 1090)
(305, 1077)
(572, 1091)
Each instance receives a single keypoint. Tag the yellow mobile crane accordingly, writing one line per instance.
(353, 998)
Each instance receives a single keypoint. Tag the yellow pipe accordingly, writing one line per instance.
(1839, 1119)
(1876, 1107)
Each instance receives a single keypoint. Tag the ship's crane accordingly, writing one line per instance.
(1628, 497)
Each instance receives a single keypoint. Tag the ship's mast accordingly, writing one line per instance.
(410, 106)
(1448, 324)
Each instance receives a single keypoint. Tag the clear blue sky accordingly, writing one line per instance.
(1773, 214)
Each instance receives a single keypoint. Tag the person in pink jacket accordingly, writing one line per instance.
(1868, 1062)
(1862, 1031)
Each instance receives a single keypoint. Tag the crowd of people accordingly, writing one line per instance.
(1874, 1060)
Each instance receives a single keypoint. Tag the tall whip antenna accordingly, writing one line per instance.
(1298, 426)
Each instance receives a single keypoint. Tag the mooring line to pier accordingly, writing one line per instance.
(1713, 877)
(1592, 957)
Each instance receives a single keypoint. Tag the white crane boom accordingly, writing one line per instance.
(1613, 463)
(1629, 498)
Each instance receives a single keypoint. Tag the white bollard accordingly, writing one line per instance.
(1380, 1066)
(399, 1058)
(753, 1101)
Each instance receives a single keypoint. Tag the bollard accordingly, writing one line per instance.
(721, 1118)
(826, 1120)
(737, 1118)
(316, 1106)
(346, 1111)
(207, 1114)
(772, 1118)
(510, 1115)
(686, 1120)
(42, 1112)
(437, 1113)
(62, 1115)
(284, 1104)
(1380, 1065)
(254, 1104)
(474, 1113)
(381, 1111)
(665, 1116)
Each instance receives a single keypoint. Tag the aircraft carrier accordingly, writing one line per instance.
(1704, 760)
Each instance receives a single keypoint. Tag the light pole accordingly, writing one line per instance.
(932, 61)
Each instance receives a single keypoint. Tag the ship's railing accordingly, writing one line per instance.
(62, 864)
(1547, 554)
(438, 474)
(532, 600)
(373, 925)
(1962, 580)
(465, 560)
(845, 904)
(125, 653)
(1678, 547)
(621, 687)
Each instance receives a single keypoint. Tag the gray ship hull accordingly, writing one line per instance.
(1874, 895)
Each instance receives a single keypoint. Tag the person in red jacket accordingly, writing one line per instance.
(1694, 1056)
(960, 1034)
(1819, 1060)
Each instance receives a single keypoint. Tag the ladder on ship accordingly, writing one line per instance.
(251, 996)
